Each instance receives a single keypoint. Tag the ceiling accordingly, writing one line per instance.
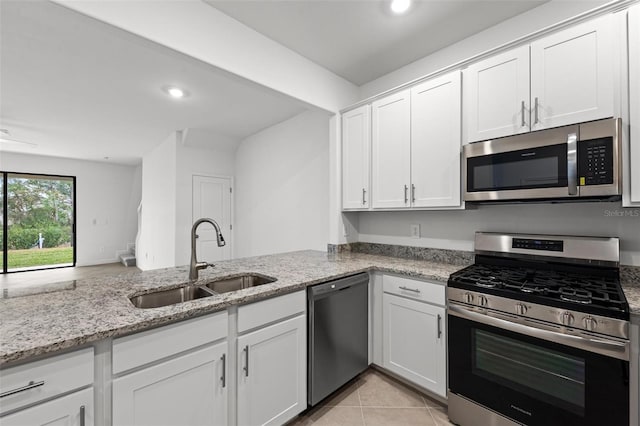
(74, 87)
(361, 40)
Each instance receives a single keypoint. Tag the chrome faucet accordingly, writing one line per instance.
(195, 266)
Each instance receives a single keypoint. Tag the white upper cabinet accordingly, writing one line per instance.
(564, 78)
(435, 142)
(634, 97)
(391, 150)
(496, 96)
(356, 160)
(572, 75)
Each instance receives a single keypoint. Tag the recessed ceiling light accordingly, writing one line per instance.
(175, 92)
(400, 6)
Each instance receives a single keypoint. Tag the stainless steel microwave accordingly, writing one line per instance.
(580, 161)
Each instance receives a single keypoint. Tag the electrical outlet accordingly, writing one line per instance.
(415, 231)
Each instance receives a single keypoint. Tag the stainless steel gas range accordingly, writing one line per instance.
(539, 333)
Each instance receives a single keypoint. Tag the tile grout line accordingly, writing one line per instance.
(361, 409)
(435, 422)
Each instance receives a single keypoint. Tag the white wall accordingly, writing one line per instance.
(167, 176)
(282, 187)
(455, 229)
(107, 196)
(196, 161)
(519, 26)
(157, 242)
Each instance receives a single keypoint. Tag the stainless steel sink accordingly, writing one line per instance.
(170, 297)
(225, 285)
(192, 292)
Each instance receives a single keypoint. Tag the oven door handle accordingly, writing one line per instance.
(614, 349)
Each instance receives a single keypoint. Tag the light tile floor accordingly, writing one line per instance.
(29, 278)
(375, 399)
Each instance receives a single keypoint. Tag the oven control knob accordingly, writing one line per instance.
(468, 298)
(590, 323)
(567, 318)
(482, 301)
(521, 309)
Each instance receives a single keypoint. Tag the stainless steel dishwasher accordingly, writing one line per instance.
(338, 334)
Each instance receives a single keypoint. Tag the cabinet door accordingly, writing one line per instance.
(572, 75)
(75, 409)
(435, 142)
(634, 97)
(415, 342)
(496, 96)
(187, 390)
(356, 162)
(391, 150)
(272, 373)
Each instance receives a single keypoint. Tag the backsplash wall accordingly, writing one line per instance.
(455, 229)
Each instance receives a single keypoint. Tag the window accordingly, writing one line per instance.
(38, 221)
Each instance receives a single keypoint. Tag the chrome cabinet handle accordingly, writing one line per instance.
(413, 193)
(536, 121)
(439, 326)
(364, 201)
(572, 163)
(82, 415)
(28, 386)
(246, 361)
(415, 290)
(524, 123)
(223, 379)
(406, 198)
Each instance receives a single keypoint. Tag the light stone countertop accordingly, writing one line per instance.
(97, 308)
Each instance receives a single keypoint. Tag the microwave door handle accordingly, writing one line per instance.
(572, 163)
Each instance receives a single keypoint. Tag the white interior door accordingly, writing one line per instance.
(212, 199)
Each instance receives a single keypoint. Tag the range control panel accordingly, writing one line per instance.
(595, 162)
(534, 244)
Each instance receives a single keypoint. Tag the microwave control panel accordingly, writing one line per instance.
(595, 162)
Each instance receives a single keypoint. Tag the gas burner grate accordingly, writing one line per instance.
(571, 287)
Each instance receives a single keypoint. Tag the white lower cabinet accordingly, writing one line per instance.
(414, 335)
(187, 390)
(75, 409)
(272, 368)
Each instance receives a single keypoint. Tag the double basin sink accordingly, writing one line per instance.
(192, 292)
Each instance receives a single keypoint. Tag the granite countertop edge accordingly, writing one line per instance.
(43, 324)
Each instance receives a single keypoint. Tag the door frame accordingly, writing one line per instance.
(4, 262)
(230, 232)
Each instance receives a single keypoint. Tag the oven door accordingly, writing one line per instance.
(532, 380)
(536, 165)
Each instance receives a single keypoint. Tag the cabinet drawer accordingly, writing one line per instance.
(262, 313)
(152, 345)
(414, 289)
(45, 379)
